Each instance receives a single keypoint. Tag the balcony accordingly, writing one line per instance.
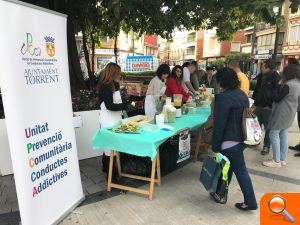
(264, 26)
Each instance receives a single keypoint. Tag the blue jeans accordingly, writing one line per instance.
(279, 141)
(235, 155)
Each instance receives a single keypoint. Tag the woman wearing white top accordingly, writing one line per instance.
(156, 89)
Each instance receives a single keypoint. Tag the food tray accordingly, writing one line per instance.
(139, 119)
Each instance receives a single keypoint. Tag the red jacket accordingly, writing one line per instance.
(174, 87)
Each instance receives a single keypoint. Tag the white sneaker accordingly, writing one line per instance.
(283, 163)
(272, 163)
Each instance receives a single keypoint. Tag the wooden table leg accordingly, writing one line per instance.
(152, 178)
(111, 163)
(158, 169)
(119, 164)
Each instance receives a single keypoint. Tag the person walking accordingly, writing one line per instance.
(245, 83)
(228, 138)
(264, 92)
(111, 103)
(283, 114)
(156, 89)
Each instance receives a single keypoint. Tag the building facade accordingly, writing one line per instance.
(260, 40)
(127, 44)
(209, 48)
(291, 47)
(202, 46)
(181, 49)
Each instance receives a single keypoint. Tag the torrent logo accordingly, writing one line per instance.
(50, 48)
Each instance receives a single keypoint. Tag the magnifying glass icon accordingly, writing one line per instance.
(277, 205)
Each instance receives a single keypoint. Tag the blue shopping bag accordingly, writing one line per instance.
(210, 174)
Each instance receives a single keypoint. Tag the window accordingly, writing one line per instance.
(235, 47)
(295, 33)
(212, 43)
(101, 62)
(190, 50)
(268, 39)
(191, 37)
(264, 40)
(249, 38)
(280, 41)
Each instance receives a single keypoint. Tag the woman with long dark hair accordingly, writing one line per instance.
(228, 138)
(111, 104)
(174, 84)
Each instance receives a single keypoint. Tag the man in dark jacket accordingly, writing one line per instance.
(263, 94)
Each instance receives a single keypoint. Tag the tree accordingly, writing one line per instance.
(219, 63)
(95, 18)
(87, 20)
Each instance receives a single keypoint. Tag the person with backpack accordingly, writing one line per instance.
(263, 100)
(284, 111)
(228, 137)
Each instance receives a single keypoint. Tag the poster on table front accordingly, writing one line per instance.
(35, 86)
(184, 146)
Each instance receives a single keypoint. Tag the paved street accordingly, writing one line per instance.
(180, 200)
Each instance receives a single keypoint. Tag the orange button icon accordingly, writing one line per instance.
(280, 209)
(277, 204)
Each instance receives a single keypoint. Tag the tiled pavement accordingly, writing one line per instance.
(93, 183)
(92, 177)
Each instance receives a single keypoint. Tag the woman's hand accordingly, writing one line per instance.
(163, 98)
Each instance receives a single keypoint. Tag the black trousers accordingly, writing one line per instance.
(263, 116)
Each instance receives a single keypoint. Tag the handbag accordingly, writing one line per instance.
(207, 130)
(251, 128)
(219, 194)
(210, 174)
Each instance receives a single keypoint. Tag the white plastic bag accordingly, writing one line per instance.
(253, 131)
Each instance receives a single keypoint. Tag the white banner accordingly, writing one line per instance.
(35, 85)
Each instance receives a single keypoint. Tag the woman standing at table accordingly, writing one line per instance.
(174, 84)
(111, 104)
(228, 138)
(156, 89)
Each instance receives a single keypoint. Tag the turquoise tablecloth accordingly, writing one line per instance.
(146, 143)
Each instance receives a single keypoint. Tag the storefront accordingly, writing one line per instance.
(102, 57)
(291, 54)
(264, 55)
